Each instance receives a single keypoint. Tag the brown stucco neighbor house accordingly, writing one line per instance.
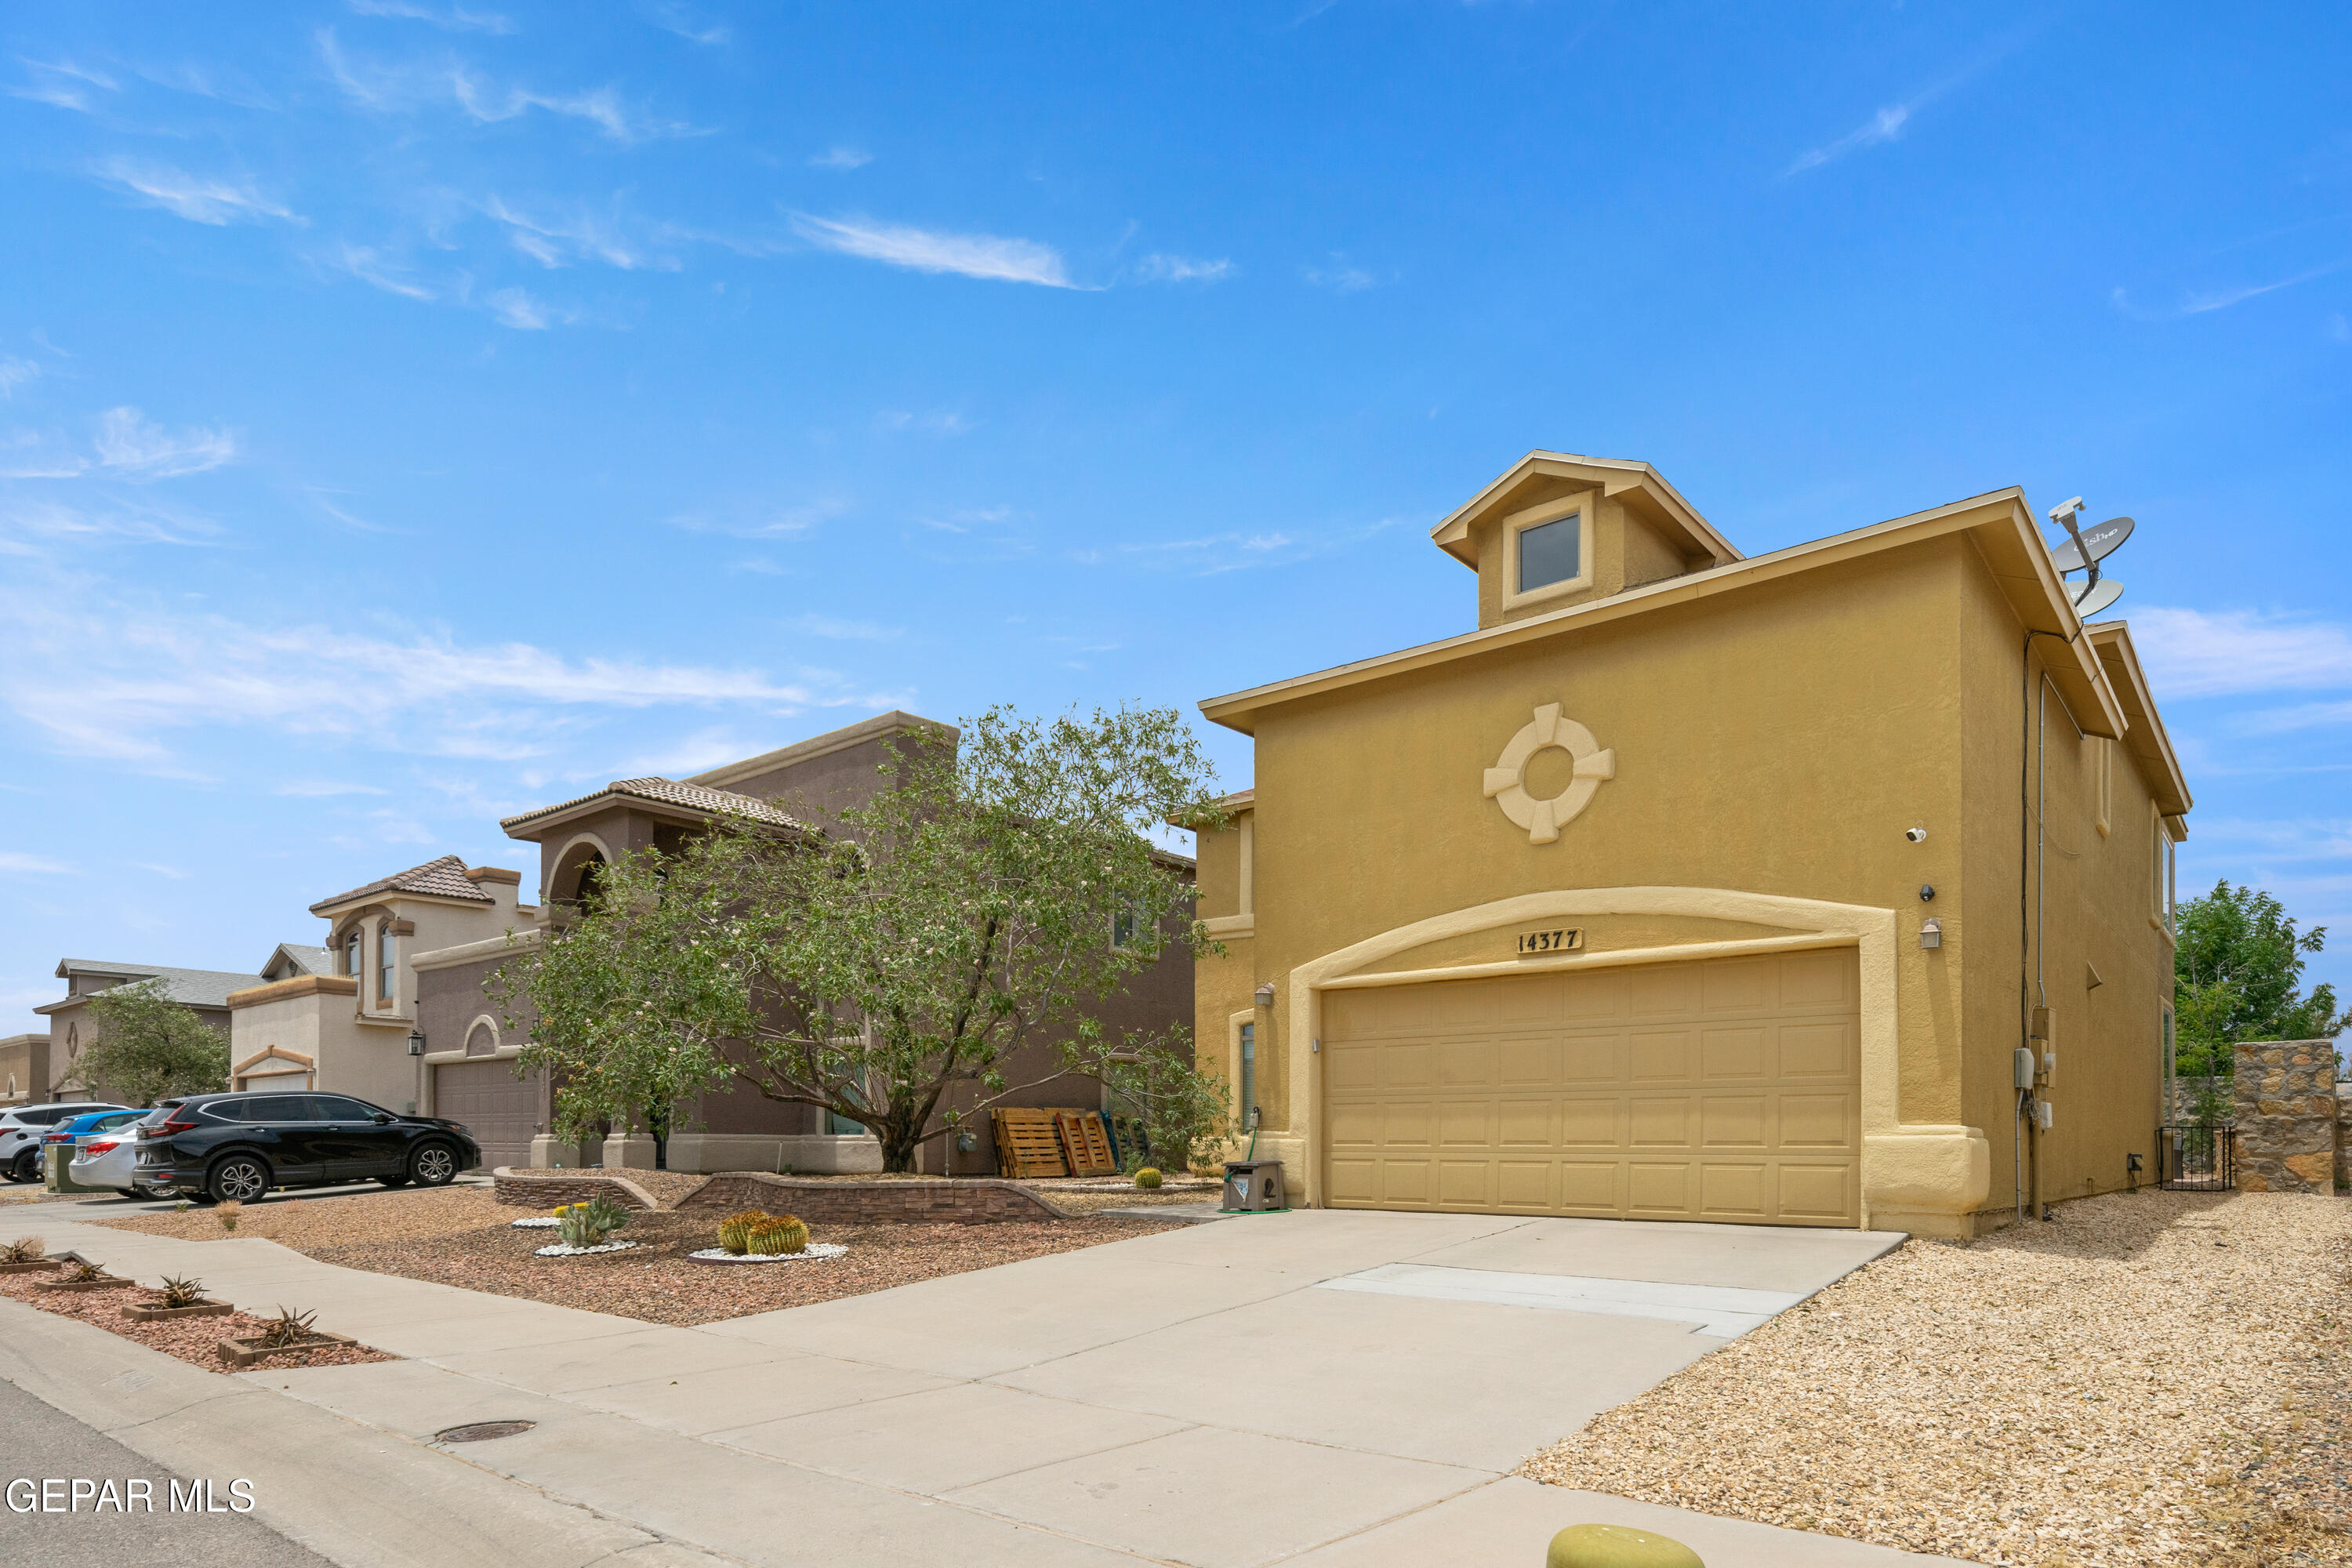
(739, 1130)
(204, 991)
(23, 1069)
(1695, 886)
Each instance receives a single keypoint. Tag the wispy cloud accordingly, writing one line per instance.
(841, 630)
(322, 789)
(672, 18)
(173, 872)
(842, 158)
(16, 863)
(62, 84)
(1889, 123)
(925, 250)
(136, 448)
(2198, 304)
(515, 308)
(756, 521)
(23, 520)
(602, 106)
(2200, 653)
(1181, 270)
(15, 373)
(198, 198)
(944, 422)
(455, 19)
(1881, 128)
(558, 241)
(363, 263)
(1340, 275)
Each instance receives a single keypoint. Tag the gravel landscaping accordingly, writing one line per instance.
(464, 1237)
(2153, 1378)
(195, 1340)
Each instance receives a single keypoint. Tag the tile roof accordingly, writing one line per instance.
(665, 792)
(197, 987)
(442, 879)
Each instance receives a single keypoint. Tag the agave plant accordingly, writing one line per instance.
(178, 1292)
(288, 1328)
(26, 1249)
(79, 1273)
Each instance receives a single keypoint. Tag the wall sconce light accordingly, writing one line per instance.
(1932, 933)
(416, 1043)
(1266, 995)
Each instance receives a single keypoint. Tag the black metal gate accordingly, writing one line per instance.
(2197, 1157)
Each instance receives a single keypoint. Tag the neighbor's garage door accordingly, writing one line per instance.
(501, 1109)
(1724, 1089)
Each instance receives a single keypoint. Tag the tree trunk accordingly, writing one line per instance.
(901, 1133)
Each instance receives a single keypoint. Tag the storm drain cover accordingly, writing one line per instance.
(483, 1431)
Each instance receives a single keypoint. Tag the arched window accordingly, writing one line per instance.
(351, 953)
(385, 967)
(481, 1039)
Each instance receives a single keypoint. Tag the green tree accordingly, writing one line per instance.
(2240, 965)
(890, 967)
(149, 1046)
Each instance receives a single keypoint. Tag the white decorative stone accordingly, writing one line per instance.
(538, 1222)
(1505, 782)
(815, 1252)
(559, 1250)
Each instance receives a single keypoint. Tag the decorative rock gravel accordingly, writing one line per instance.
(195, 1340)
(2155, 1378)
(460, 1236)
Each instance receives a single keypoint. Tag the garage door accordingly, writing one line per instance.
(1724, 1090)
(501, 1109)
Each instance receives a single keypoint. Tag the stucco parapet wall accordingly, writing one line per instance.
(300, 985)
(544, 1190)
(510, 945)
(963, 1200)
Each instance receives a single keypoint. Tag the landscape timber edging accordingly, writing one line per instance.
(963, 1200)
(532, 1190)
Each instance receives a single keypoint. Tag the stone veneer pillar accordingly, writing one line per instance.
(2287, 1116)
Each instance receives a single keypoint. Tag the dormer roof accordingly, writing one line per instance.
(1640, 488)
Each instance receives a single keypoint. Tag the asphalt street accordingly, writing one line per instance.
(39, 1442)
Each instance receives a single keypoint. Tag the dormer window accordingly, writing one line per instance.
(1550, 554)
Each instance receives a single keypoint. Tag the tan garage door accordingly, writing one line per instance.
(1724, 1089)
(501, 1109)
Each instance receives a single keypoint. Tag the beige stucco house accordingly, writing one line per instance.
(339, 1016)
(24, 1070)
(202, 991)
(1691, 885)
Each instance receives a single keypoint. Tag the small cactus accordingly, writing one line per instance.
(26, 1249)
(179, 1292)
(776, 1234)
(228, 1213)
(735, 1230)
(1148, 1177)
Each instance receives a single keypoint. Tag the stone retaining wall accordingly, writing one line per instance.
(2287, 1115)
(2344, 1136)
(969, 1200)
(530, 1190)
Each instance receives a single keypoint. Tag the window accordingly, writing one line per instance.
(1551, 552)
(351, 953)
(341, 1107)
(1249, 1073)
(385, 942)
(2162, 871)
(1122, 927)
(229, 1110)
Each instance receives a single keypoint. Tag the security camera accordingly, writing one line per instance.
(1916, 835)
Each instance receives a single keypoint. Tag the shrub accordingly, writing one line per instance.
(1147, 1177)
(778, 1233)
(25, 1250)
(228, 1214)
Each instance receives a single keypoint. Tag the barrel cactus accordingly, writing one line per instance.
(1147, 1177)
(778, 1233)
(735, 1230)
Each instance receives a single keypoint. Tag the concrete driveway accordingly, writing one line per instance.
(1322, 1386)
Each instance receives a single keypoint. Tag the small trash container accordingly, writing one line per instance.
(1254, 1186)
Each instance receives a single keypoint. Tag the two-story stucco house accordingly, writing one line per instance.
(202, 991)
(1694, 886)
(339, 1016)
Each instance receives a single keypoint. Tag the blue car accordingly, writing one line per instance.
(76, 1131)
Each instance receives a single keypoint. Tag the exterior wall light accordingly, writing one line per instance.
(1266, 995)
(1931, 934)
(416, 1043)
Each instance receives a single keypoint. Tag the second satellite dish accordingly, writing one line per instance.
(2098, 543)
(2103, 592)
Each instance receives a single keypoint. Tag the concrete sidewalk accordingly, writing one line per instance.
(1194, 1396)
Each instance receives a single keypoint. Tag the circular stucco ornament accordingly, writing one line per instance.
(1507, 779)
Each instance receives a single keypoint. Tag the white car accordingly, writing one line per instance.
(106, 1155)
(22, 1130)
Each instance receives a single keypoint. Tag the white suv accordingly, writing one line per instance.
(21, 1130)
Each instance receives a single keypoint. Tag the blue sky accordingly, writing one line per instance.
(411, 413)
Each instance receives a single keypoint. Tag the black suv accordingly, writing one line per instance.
(224, 1146)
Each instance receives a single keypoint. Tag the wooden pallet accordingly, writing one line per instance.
(1085, 1145)
(1028, 1144)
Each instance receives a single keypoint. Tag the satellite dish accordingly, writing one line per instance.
(2098, 543)
(2099, 594)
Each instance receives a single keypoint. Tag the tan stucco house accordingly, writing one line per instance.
(24, 1070)
(339, 1016)
(1694, 886)
(204, 991)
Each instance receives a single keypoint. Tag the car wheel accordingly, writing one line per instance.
(433, 1165)
(393, 1180)
(240, 1178)
(27, 1167)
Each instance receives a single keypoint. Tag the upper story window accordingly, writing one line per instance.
(351, 953)
(385, 943)
(1548, 555)
(2163, 868)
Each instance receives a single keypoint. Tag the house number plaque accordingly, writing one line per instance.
(1537, 941)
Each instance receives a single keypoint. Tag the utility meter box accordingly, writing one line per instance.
(1254, 1186)
(2023, 1057)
